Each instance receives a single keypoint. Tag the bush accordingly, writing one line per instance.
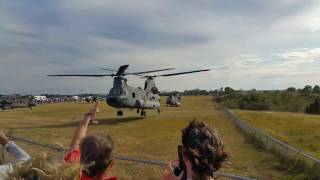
(291, 99)
(316, 89)
(254, 102)
(195, 92)
(314, 108)
(291, 89)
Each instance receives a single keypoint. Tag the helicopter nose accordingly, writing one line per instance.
(112, 100)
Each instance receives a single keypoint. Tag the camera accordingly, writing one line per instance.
(182, 166)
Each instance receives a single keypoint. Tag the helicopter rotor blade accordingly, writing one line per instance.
(151, 71)
(186, 72)
(81, 75)
(179, 73)
(106, 69)
(121, 70)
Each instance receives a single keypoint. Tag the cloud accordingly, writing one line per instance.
(242, 40)
(307, 55)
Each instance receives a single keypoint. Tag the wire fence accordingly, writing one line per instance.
(289, 154)
(128, 168)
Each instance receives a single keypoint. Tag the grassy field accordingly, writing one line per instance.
(297, 129)
(155, 137)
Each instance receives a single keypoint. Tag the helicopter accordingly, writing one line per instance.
(174, 99)
(122, 95)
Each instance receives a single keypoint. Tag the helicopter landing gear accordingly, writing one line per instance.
(159, 111)
(120, 113)
(143, 113)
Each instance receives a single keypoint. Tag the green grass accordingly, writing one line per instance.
(296, 129)
(155, 137)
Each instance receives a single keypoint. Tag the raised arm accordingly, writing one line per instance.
(18, 153)
(83, 126)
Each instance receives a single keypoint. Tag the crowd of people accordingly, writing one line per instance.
(91, 156)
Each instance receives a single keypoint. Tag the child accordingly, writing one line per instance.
(93, 152)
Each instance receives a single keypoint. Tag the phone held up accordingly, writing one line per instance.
(182, 166)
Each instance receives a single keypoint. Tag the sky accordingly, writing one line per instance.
(248, 44)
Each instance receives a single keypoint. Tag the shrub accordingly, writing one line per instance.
(254, 102)
(314, 108)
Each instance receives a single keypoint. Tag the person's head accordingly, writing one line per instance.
(96, 154)
(203, 149)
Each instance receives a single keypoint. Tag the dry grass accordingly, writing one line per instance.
(155, 137)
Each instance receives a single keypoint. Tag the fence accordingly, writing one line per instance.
(125, 168)
(290, 155)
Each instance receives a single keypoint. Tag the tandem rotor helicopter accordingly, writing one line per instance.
(122, 96)
(174, 99)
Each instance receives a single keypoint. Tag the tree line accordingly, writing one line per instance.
(306, 99)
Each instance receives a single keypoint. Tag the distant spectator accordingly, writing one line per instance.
(203, 152)
(93, 152)
(18, 154)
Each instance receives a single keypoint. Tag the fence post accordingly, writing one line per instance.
(267, 142)
(62, 154)
(286, 154)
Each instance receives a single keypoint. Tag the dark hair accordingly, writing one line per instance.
(204, 148)
(96, 152)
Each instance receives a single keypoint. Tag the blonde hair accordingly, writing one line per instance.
(46, 168)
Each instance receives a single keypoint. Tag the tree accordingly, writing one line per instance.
(314, 108)
(228, 90)
(307, 90)
(195, 92)
(215, 92)
(316, 89)
(221, 89)
(291, 89)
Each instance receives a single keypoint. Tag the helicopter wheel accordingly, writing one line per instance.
(159, 110)
(143, 113)
(119, 113)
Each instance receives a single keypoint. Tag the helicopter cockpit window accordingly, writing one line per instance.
(114, 92)
(117, 92)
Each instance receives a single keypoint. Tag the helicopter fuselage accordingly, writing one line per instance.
(122, 95)
(174, 100)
